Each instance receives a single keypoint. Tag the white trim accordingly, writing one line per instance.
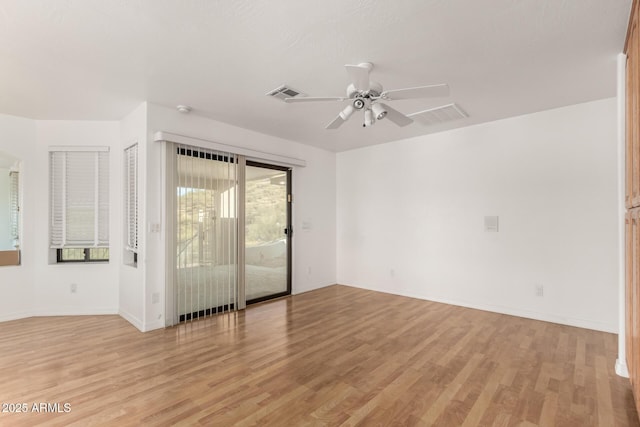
(212, 145)
(130, 145)
(527, 314)
(89, 148)
(151, 326)
(16, 315)
(297, 289)
(621, 369)
(74, 311)
(621, 366)
(131, 319)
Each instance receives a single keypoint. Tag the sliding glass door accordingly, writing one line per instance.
(230, 232)
(267, 232)
(206, 262)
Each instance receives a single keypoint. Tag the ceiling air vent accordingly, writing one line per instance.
(445, 113)
(284, 92)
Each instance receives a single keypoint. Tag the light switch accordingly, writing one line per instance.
(491, 224)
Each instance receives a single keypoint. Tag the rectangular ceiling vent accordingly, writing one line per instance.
(445, 113)
(283, 92)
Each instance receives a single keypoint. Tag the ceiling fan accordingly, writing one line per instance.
(368, 96)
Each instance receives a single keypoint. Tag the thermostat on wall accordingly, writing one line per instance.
(491, 223)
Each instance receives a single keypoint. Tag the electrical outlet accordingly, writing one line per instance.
(392, 273)
(74, 288)
(309, 271)
(155, 297)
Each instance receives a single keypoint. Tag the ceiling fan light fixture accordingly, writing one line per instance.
(379, 111)
(370, 97)
(368, 118)
(347, 112)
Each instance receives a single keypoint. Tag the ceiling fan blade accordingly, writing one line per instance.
(314, 99)
(359, 75)
(433, 91)
(336, 123)
(396, 116)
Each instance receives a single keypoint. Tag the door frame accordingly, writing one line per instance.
(288, 229)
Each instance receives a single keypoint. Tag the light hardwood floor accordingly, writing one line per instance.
(335, 356)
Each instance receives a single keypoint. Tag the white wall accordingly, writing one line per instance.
(410, 216)
(97, 283)
(38, 287)
(18, 139)
(133, 129)
(313, 201)
(415, 207)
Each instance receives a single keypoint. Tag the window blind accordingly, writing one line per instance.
(79, 196)
(205, 232)
(14, 207)
(131, 196)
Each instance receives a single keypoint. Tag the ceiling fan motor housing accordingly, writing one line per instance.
(375, 89)
(358, 103)
(368, 96)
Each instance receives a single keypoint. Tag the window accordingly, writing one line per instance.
(14, 206)
(79, 197)
(131, 197)
(83, 255)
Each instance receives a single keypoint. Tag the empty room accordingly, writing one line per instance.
(337, 213)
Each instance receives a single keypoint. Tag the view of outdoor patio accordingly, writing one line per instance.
(206, 258)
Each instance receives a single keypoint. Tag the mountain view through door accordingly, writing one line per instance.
(267, 232)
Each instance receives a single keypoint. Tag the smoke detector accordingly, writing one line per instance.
(184, 109)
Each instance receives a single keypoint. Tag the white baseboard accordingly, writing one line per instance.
(58, 312)
(302, 289)
(15, 316)
(621, 368)
(132, 319)
(74, 312)
(139, 324)
(527, 314)
(158, 324)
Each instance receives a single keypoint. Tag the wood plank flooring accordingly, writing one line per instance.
(338, 356)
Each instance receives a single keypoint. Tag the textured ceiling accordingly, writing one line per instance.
(98, 59)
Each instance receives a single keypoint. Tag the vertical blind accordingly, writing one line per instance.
(14, 207)
(131, 196)
(79, 196)
(205, 232)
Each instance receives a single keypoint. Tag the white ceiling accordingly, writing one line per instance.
(98, 59)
